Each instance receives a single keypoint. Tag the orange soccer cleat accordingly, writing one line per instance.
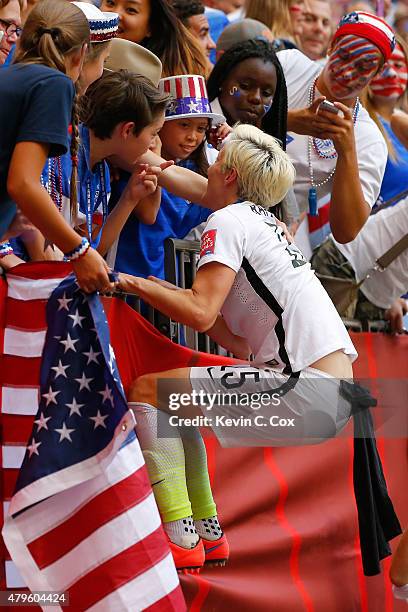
(216, 551)
(188, 559)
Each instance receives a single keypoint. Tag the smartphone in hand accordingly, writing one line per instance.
(329, 107)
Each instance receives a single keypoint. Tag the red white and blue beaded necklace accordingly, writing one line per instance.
(324, 149)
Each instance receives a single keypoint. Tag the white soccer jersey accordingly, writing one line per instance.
(276, 301)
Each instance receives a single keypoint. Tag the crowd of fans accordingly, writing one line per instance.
(113, 111)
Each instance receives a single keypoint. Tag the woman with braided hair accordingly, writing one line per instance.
(37, 103)
(247, 84)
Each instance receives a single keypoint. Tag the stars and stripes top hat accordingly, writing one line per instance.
(189, 98)
(103, 26)
(370, 27)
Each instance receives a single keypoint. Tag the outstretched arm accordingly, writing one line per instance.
(219, 332)
(180, 181)
(197, 307)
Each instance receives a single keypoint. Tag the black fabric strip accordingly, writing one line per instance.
(264, 293)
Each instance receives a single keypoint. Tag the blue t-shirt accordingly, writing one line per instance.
(36, 105)
(396, 172)
(89, 184)
(141, 247)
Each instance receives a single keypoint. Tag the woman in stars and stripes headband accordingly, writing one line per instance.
(338, 152)
(370, 27)
(103, 27)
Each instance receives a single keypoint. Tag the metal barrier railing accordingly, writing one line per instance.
(181, 257)
(180, 266)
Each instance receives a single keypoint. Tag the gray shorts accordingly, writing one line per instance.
(250, 406)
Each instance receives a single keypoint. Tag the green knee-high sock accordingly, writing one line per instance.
(164, 455)
(198, 481)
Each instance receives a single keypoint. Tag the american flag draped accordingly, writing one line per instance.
(82, 518)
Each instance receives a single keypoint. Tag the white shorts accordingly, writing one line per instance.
(249, 406)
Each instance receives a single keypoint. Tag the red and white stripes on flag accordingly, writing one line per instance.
(319, 225)
(101, 540)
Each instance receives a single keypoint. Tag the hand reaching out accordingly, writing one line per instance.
(217, 134)
(19, 225)
(127, 283)
(143, 181)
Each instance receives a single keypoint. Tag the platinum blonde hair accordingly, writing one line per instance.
(265, 172)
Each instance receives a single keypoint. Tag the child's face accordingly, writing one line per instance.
(181, 137)
(92, 70)
(133, 146)
(134, 16)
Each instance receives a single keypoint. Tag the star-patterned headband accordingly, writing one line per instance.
(103, 26)
(370, 27)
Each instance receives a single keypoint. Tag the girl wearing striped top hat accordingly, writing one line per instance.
(189, 117)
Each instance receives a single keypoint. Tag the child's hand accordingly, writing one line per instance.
(223, 130)
(143, 181)
(91, 271)
(217, 134)
(19, 225)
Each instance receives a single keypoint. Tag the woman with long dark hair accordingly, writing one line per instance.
(155, 26)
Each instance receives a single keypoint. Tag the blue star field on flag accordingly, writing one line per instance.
(81, 395)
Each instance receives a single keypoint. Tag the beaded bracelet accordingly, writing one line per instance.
(79, 251)
(5, 249)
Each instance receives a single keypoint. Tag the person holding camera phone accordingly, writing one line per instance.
(338, 151)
